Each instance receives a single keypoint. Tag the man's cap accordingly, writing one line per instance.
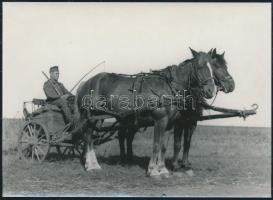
(54, 68)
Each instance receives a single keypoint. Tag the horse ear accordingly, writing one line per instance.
(214, 52)
(223, 54)
(194, 53)
(210, 52)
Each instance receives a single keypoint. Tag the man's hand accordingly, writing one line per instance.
(65, 96)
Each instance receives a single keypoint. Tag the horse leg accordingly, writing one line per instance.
(121, 139)
(163, 147)
(159, 129)
(129, 141)
(187, 142)
(178, 131)
(91, 161)
(152, 168)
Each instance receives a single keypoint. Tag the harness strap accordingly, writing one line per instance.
(133, 90)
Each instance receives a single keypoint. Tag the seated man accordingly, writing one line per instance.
(57, 94)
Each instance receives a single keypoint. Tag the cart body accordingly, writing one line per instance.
(44, 128)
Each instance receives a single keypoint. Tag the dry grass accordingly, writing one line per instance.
(227, 161)
(11, 129)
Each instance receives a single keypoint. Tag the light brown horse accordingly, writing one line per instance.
(194, 73)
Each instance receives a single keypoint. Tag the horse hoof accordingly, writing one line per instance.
(165, 175)
(164, 172)
(186, 166)
(153, 173)
(87, 168)
(90, 168)
(178, 174)
(157, 178)
(190, 172)
(176, 167)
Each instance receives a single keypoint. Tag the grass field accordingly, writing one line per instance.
(227, 161)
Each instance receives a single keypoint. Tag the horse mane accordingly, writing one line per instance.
(185, 62)
(170, 67)
(182, 64)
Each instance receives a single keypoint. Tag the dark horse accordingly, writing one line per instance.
(187, 124)
(108, 92)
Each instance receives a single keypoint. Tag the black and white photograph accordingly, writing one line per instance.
(136, 99)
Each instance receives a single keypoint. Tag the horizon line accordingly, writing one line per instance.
(9, 118)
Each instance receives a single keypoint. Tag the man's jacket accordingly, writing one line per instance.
(51, 93)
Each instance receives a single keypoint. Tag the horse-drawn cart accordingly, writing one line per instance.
(44, 128)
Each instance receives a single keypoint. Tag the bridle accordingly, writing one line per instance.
(220, 87)
(193, 77)
(202, 82)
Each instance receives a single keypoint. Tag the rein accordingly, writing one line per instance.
(214, 97)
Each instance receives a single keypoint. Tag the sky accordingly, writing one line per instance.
(135, 37)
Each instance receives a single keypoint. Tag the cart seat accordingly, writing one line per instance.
(45, 108)
(39, 102)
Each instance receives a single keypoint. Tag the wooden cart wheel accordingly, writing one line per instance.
(33, 142)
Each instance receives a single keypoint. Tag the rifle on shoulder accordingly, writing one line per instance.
(56, 89)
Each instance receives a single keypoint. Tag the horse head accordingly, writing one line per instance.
(222, 77)
(204, 73)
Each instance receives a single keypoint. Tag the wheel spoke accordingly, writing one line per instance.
(24, 141)
(30, 131)
(26, 134)
(42, 137)
(37, 155)
(41, 150)
(32, 153)
(42, 144)
(65, 150)
(39, 133)
(34, 130)
(73, 151)
(77, 149)
(39, 128)
(42, 141)
(26, 137)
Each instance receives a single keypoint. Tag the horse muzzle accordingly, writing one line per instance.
(227, 86)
